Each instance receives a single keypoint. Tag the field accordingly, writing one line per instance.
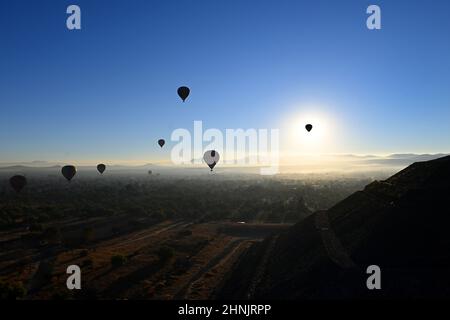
(146, 237)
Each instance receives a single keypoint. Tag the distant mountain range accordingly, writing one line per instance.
(49, 165)
(348, 160)
(400, 224)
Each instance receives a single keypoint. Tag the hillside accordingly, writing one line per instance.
(400, 224)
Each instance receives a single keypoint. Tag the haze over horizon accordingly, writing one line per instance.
(381, 166)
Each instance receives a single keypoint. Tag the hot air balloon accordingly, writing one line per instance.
(68, 172)
(18, 182)
(161, 142)
(309, 127)
(211, 158)
(149, 171)
(101, 168)
(183, 92)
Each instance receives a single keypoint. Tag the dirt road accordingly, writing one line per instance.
(227, 253)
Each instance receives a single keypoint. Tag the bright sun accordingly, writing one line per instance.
(310, 142)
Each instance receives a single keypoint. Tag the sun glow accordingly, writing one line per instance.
(318, 140)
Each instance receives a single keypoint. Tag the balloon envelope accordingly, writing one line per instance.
(161, 142)
(309, 127)
(183, 92)
(68, 172)
(101, 168)
(149, 171)
(18, 182)
(211, 158)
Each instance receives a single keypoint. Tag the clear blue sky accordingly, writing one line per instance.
(109, 90)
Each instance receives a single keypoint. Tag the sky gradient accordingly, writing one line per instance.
(108, 91)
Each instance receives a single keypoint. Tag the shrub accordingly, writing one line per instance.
(12, 291)
(46, 269)
(61, 295)
(36, 227)
(165, 253)
(52, 235)
(115, 230)
(88, 263)
(88, 235)
(118, 260)
(185, 233)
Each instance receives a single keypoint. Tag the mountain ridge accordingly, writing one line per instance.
(399, 224)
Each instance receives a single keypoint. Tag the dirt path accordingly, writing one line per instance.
(146, 234)
(142, 235)
(33, 277)
(261, 268)
(335, 250)
(222, 257)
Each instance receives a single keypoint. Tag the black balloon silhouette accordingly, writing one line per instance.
(309, 127)
(211, 158)
(161, 142)
(183, 92)
(149, 171)
(101, 168)
(68, 172)
(18, 182)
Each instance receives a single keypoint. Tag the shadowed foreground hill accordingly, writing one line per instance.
(401, 224)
